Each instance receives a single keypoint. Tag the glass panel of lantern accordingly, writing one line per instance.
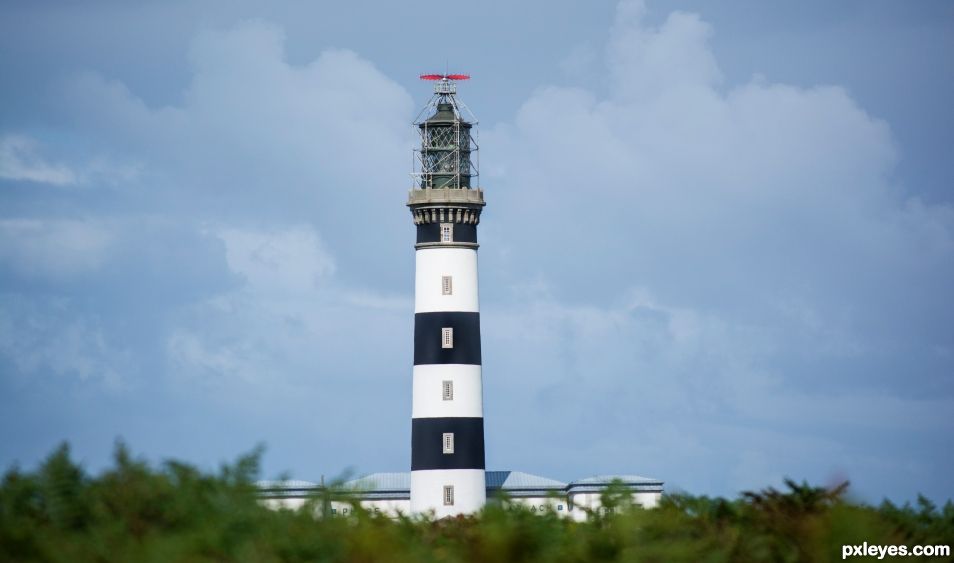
(441, 136)
(447, 162)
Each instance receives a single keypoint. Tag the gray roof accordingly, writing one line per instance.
(286, 484)
(599, 482)
(381, 481)
(607, 479)
(508, 480)
(397, 485)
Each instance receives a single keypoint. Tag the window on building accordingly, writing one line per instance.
(447, 232)
(448, 390)
(448, 442)
(447, 337)
(447, 285)
(448, 495)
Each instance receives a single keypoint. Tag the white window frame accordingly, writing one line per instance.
(447, 337)
(447, 285)
(447, 232)
(447, 390)
(448, 495)
(447, 442)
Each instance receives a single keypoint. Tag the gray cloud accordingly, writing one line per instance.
(771, 254)
(232, 273)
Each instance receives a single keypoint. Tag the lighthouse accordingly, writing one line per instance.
(447, 416)
(448, 474)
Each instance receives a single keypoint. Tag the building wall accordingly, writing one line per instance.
(388, 507)
(575, 506)
(542, 504)
(581, 502)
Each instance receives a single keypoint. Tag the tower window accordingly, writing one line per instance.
(448, 442)
(447, 337)
(447, 285)
(447, 232)
(448, 390)
(448, 495)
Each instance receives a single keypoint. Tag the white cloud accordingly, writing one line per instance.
(255, 140)
(290, 261)
(56, 248)
(291, 322)
(19, 160)
(203, 361)
(44, 336)
(261, 131)
(732, 198)
(648, 387)
(644, 61)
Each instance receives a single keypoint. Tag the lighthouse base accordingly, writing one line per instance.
(428, 491)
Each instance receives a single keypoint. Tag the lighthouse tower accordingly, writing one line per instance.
(447, 424)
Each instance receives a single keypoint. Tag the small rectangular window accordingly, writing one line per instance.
(447, 337)
(447, 232)
(448, 495)
(447, 285)
(448, 390)
(448, 442)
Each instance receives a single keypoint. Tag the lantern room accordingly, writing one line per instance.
(446, 157)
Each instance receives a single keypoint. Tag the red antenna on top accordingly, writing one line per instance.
(446, 83)
(445, 77)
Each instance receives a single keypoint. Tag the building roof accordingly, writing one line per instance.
(286, 484)
(382, 486)
(599, 482)
(518, 483)
(607, 479)
(397, 485)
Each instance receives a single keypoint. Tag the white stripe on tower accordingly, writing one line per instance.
(434, 264)
(465, 385)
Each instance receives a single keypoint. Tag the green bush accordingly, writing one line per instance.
(137, 513)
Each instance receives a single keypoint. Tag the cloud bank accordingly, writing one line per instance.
(717, 276)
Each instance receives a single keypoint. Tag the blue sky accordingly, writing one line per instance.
(718, 247)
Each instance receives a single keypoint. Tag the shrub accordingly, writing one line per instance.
(175, 512)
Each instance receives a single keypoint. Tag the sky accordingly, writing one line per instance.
(715, 249)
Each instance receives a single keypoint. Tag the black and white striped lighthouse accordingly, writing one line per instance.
(447, 424)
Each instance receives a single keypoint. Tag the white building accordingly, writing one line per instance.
(390, 493)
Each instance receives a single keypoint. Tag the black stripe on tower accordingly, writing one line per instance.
(431, 232)
(427, 443)
(428, 345)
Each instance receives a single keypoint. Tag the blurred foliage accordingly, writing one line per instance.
(174, 512)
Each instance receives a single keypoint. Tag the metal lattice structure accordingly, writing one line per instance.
(447, 157)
